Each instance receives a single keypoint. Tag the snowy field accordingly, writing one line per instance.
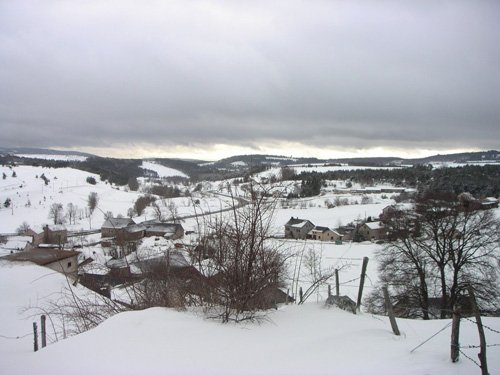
(307, 339)
(162, 171)
(31, 198)
(53, 157)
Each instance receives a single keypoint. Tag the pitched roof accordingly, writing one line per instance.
(56, 227)
(117, 222)
(163, 227)
(321, 229)
(297, 223)
(41, 257)
(134, 228)
(375, 225)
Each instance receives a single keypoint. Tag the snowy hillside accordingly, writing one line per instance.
(53, 157)
(162, 170)
(306, 339)
(31, 198)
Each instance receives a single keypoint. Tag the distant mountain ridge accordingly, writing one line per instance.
(40, 151)
(122, 170)
(256, 159)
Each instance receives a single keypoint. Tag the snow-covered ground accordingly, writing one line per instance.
(306, 339)
(320, 168)
(31, 198)
(162, 170)
(53, 157)
(294, 339)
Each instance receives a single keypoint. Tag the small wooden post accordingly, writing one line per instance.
(43, 331)
(361, 283)
(329, 290)
(390, 312)
(455, 333)
(337, 285)
(301, 295)
(482, 338)
(35, 337)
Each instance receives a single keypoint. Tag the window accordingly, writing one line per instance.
(69, 264)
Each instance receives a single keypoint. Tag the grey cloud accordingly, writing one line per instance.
(347, 74)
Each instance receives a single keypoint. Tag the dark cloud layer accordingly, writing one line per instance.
(362, 74)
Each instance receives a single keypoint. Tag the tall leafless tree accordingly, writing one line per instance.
(440, 248)
(56, 213)
(246, 267)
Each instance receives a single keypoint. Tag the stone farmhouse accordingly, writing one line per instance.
(324, 234)
(373, 231)
(126, 229)
(62, 261)
(298, 228)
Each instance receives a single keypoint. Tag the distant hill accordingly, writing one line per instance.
(40, 151)
(121, 170)
(481, 156)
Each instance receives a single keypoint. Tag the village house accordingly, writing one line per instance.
(166, 230)
(298, 228)
(347, 232)
(373, 231)
(397, 209)
(132, 232)
(62, 261)
(114, 225)
(489, 203)
(17, 243)
(324, 234)
(55, 234)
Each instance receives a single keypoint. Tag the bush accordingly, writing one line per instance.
(91, 180)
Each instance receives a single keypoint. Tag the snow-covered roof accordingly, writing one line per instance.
(297, 223)
(56, 227)
(320, 229)
(375, 225)
(135, 228)
(163, 227)
(117, 222)
(17, 242)
(42, 257)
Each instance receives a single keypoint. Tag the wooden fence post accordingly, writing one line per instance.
(329, 290)
(301, 295)
(43, 331)
(35, 337)
(361, 283)
(337, 285)
(455, 333)
(482, 338)
(390, 312)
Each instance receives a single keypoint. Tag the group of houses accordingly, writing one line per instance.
(47, 247)
(126, 229)
(305, 230)
(366, 230)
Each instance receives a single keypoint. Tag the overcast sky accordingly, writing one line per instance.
(206, 79)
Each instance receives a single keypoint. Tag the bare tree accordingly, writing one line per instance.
(92, 202)
(71, 212)
(23, 228)
(157, 209)
(246, 268)
(317, 274)
(56, 213)
(439, 249)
